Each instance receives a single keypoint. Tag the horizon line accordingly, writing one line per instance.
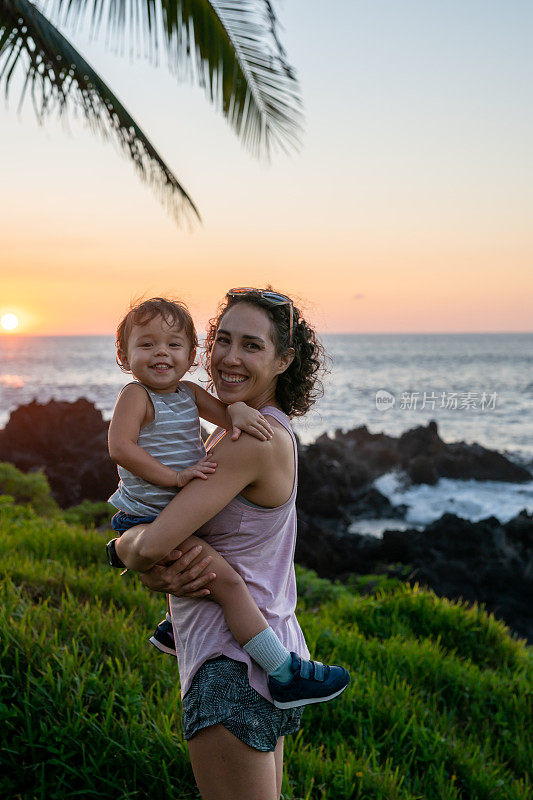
(14, 335)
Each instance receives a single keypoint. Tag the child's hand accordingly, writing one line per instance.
(200, 470)
(250, 420)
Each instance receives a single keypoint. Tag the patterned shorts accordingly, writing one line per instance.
(220, 693)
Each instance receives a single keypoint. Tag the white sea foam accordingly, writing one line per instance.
(375, 527)
(473, 500)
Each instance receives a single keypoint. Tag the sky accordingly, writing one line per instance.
(408, 208)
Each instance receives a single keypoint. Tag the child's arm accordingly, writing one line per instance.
(237, 416)
(132, 411)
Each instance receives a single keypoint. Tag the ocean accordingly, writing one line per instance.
(477, 387)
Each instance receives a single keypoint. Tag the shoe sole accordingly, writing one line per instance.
(309, 701)
(162, 647)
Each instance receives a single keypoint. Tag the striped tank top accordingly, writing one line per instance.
(173, 438)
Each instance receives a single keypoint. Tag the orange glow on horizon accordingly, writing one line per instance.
(403, 286)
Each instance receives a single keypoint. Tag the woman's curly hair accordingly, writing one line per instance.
(300, 386)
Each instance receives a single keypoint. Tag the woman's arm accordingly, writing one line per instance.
(240, 463)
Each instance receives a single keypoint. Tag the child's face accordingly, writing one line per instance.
(158, 354)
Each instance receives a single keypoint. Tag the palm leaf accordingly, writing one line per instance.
(58, 76)
(230, 47)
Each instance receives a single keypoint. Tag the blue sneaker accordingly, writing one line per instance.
(311, 682)
(163, 638)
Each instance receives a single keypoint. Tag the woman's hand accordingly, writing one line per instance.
(181, 575)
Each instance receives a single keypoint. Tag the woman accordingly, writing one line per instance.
(263, 353)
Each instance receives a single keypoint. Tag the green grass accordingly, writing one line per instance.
(31, 487)
(89, 513)
(438, 708)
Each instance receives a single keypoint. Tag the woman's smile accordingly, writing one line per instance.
(244, 363)
(229, 377)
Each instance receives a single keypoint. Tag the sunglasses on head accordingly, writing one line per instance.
(274, 298)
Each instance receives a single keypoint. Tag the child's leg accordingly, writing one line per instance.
(292, 681)
(231, 593)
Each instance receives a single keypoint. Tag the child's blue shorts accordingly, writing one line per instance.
(122, 522)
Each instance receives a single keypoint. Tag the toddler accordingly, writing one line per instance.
(154, 437)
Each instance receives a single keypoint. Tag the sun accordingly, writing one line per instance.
(9, 322)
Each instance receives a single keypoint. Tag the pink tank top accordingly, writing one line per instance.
(259, 544)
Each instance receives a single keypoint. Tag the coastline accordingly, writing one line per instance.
(487, 561)
(455, 368)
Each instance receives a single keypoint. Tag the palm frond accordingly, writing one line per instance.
(60, 77)
(230, 47)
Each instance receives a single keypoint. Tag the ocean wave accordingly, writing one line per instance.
(473, 500)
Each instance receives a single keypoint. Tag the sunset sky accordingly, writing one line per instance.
(408, 208)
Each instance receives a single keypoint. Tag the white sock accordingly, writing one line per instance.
(267, 651)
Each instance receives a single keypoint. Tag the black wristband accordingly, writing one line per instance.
(112, 558)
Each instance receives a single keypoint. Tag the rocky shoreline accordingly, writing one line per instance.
(485, 562)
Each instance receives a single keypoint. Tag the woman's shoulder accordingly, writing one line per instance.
(282, 442)
(282, 433)
(281, 425)
(248, 448)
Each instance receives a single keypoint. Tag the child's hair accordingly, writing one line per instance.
(174, 312)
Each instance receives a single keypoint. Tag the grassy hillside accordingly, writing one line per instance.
(438, 708)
